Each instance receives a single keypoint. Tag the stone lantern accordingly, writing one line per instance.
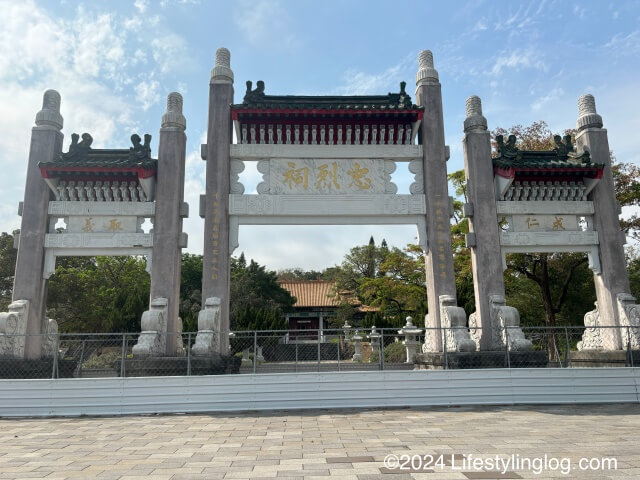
(357, 346)
(411, 342)
(374, 337)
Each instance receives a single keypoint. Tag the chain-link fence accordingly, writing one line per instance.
(348, 349)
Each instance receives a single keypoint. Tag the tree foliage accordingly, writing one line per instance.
(255, 293)
(7, 268)
(101, 294)
(390, 279)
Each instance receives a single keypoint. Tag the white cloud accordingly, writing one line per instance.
(170, 53)
(362, 83)
(141, 5)
(89, 59)
(148, 93)
(264, 23)
(518, 60)
(551, 96)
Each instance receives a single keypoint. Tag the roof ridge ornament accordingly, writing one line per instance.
(564, 151)
(81, 151)
(254, 96)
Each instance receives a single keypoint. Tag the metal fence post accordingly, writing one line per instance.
(81, 359)
(54, 368)
(444, 348)
(382, 349)
(189, 355)
(255, 350)
(296, 355)
(568, 347)
(507, 353)
(318, 338)
(124, 354)
(629, 350)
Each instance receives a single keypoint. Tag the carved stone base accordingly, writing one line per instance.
(629, 314)
(485, 359)
(505, 327)
(13, 327)
(454, 324)
(207, 339)
(591, 337)
(153, 338)
(167, 366)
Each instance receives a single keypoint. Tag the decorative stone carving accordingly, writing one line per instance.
(505, 327)
(417, 187)
(153, 338)
(426, 73)
(474, 121)
(389, 168)
(50, 341)
(548, 238)
(411, 343)
(222, 72)
(264, 167)
(548, 208)
(454, 322)
(587, 115)
(13, 328)
(592, 338)
(98, 240)
(237, 167)
(50, 116)
(314, 205)
(174, 118)
(357, 347)
(629, 314)
(208, 328)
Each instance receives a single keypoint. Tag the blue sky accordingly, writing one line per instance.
(114, 62)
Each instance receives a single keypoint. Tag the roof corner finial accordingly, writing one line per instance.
(50, 114)
(222, 72)
(174, 118)
(426, 71)
(587, 115)
(475, 121)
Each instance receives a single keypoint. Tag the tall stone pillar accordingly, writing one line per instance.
(168, 239)
(441, 287)
(29, 284)
(215, 272)
(613, 280)
(486, 257)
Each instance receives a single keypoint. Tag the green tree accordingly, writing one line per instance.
(255, 291)
(190, 291)
(390, 279)
(7, 268)
(101, 294)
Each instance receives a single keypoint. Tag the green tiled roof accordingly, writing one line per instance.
(563, 156)
(81, 155)
(393, 101)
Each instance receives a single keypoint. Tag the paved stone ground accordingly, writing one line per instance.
(347, 444)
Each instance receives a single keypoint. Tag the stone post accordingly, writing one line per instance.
(29, 284)
(613, 280)
(439, 256)
(168, 239)
(215, 272)
(484, 232)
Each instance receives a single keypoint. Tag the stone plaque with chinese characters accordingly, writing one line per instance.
(100, 224)
(545, 223)
(318, 176)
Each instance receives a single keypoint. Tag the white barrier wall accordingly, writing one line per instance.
(116, 396)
